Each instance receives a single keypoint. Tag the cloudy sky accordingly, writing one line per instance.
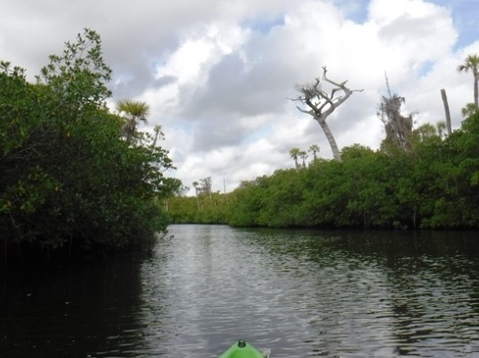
(218, 73)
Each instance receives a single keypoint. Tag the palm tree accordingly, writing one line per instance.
(294, 153)
(303, 156)
(158, 133)
(472, 63)
(135, 112)
(313, 148)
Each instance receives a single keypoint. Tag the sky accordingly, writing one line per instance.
(219, 75)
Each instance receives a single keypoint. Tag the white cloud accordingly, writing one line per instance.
(218, 74)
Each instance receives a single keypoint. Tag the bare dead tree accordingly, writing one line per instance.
(398, 127)
(205, 187)
(321, 104)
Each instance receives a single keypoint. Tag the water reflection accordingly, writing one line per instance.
(306, 293)
(299, 293)
(81, 310)
(390, 296)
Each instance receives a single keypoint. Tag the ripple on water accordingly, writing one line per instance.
(298, 293)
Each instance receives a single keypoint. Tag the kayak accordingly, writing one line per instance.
(243, 349)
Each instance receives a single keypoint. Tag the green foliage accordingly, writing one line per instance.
(134, 112)
(420, 179)
(79, 75)
(433, 186)
(68, 178)
(202, 209)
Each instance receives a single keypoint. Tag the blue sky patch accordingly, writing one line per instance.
(465, 15)
(355, 10)
(264, 25)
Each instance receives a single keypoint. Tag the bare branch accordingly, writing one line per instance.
(311, 112)
(322, 103)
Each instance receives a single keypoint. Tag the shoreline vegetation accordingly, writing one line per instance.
(434, 185)
(419, 178)
(77, 180)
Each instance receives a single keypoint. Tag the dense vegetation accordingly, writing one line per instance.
(204, 208)
(434, 185)
(70, 182)
(77, 178)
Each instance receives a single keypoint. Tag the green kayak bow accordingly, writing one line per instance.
(242, 349)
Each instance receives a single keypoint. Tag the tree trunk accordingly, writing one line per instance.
(476, 90)
(154, 141)
(446, 109)
(329, 137)
(322, 104)
(197, 200)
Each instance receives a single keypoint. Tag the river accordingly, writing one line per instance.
(299, 293)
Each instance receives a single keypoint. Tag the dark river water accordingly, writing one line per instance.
(298, 293)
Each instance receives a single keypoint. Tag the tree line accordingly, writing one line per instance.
(434, 185)
(75, 176)
(423, 178)
(78, 178)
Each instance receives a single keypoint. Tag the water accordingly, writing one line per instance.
(298, 293)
